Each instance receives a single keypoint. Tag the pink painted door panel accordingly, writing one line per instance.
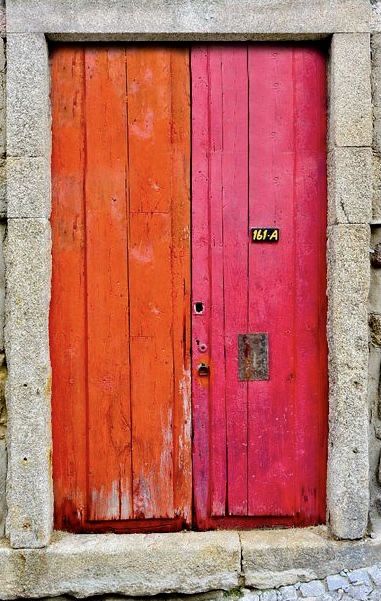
(259, 160)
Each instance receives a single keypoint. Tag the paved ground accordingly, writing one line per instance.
(348, 585)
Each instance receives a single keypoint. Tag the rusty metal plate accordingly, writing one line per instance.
(253, 356)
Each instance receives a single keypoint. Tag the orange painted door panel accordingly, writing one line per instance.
(119, 323)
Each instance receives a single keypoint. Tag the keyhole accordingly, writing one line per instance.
(198, 308)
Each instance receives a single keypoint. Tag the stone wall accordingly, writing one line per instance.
(3, 415)
(358, 584)
(362, 585)
(374, 300)
(375, 285)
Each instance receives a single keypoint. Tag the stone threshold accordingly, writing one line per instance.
(184, 562)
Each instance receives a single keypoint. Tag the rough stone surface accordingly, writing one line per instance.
(140, 564)
(337, 582)
(273, 559)
(350, 185)
(28, 114)
(182, 16)
(375, 287)
(312, 589)
(29, 490)
(375, 574)
(376, 91)
(3, 466)
(2, 127)
(28, 194)
(188, 563)
(376, 200)
(359, 577)
(2, 95)
(3, 445)
(350, 91)
(11, 572)
(28, 187)
(374, 405)
(327, 589)
(288, 593)
(348, 464)
(3, 373)
(2, 17)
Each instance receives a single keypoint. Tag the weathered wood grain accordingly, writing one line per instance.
(259, 159)
(132, 191)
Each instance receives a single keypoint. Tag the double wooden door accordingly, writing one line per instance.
(188, 348)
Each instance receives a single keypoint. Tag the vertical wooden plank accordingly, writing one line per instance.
(67, 344)
(109, 436)
(200, 281)
(180, 207)
(159, 217)
(235, 256)
(217, 391)
(311, 389)
(272, 459)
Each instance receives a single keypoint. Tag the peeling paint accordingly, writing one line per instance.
(145, 130)
(106, 502)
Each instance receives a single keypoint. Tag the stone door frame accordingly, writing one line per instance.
(31, 26)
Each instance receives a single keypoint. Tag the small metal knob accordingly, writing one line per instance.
(203, 370)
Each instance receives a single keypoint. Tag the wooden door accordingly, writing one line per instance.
(120, 321)
(259, 308)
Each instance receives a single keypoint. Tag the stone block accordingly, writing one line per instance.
(288, 593)
(376, 90)
(350, 91)
(29, 492)
(274, 558)
(348, 288)
(359, 592)
(180, 17)
(247, 595)
(11, 572)
(2, 17)
(3, 190)
(3, 372)
(2, 95)
(3, 475)
(28, 113)
(337, 582)
(269, 596)
(3, 230)
(376, 177)
(315, 588)
(350, 187)
(348, 461)
(183, 562)
(375, 574)
(28, 187)
(375, 22)
(359, 577)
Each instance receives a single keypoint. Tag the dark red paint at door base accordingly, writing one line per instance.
(259, 159)
(120, 326)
